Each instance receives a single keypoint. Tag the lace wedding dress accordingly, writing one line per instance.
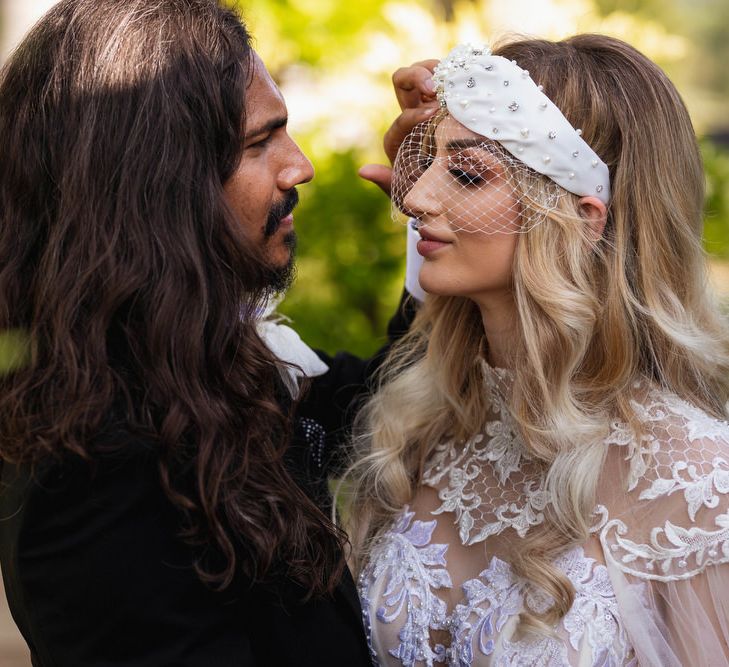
(651, 584)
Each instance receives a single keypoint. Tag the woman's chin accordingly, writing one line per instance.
(433, 282)
(437, 289)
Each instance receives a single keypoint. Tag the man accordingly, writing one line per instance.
(153, 513)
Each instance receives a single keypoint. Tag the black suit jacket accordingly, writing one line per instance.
(96, 574)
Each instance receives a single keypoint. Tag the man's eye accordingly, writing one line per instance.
(467, 178)
(261, 143)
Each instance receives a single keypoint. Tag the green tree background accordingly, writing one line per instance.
(333, 61)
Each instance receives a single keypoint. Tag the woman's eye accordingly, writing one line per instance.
(467, 178)
(424, 161)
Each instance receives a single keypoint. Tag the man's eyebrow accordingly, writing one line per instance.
(273, 124)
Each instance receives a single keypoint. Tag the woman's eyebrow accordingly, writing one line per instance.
(490, 155)
(460, 144)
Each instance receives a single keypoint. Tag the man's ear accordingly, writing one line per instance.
(594, 212)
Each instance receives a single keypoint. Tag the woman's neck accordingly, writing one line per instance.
(498, 313)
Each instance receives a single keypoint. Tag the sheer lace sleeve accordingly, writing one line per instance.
(665, 535)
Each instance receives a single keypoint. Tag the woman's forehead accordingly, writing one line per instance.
(449, 130)
(450, 137)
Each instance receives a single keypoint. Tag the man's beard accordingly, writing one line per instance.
(280, 278)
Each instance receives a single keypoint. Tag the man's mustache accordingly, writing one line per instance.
(279, 210)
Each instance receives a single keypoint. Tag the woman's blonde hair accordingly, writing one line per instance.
(594, 316)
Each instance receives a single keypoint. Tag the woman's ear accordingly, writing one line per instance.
(595, 214)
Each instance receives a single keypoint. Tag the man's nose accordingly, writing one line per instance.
(298, 169)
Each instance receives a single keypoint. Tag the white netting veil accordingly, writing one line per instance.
(444, 170)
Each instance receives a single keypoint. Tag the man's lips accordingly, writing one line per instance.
(288, 221)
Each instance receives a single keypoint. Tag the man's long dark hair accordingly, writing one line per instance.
(134, 284)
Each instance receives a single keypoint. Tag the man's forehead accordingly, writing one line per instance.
(263, 96)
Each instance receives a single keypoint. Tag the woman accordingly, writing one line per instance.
(543, 476)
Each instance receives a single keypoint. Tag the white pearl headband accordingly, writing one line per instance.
(497, 99)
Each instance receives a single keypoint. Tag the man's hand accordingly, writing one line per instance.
(415, 94)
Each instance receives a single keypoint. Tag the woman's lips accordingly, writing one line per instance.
(429, 244)
(426, 248)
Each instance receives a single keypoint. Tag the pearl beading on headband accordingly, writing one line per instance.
(497, 99)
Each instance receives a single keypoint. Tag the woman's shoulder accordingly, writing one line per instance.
(669, 433)
(669, 518)
(676, 419)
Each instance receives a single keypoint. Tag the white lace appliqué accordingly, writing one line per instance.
(516, 498)
(491, 484)
(683, 451)
(405, 573)
(664, 517)
(407, 556)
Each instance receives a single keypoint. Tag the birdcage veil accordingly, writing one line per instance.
(474, 181)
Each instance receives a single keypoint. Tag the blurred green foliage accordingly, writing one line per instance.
(716, 224)
(14, 350)
(351, 255)
(351, 260)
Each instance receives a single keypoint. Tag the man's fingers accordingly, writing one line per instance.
(415, 93)
(414, 85)
(378, 174)
(402, 126)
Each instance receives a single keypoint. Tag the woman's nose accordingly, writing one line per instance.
(425, 196)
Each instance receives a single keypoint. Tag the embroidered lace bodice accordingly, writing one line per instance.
(439, 589)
